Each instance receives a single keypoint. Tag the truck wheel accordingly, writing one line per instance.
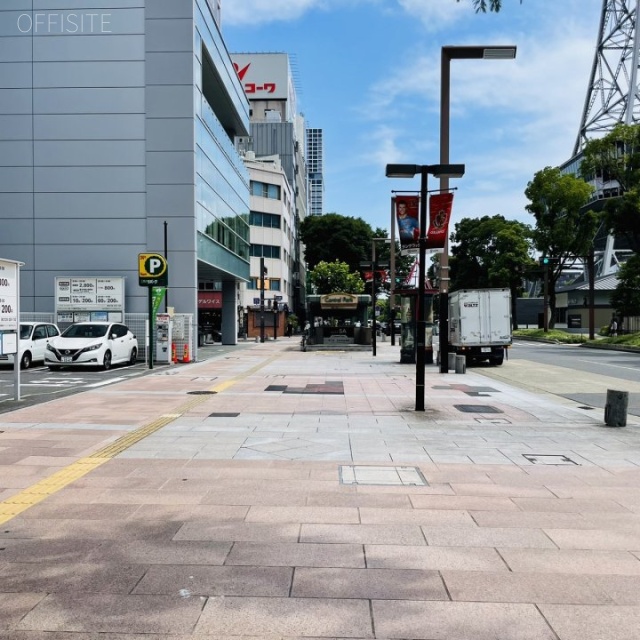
(497, 360)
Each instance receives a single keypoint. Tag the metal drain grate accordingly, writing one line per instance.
(388, 476)
(550, 459)
(477, 408)
(201, 393)
(223, 415)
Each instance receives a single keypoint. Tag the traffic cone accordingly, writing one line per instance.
(174, 353)
(185, 354)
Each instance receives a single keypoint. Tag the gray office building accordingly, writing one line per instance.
(118, 122)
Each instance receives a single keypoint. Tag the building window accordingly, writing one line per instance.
(265, 190)
(259, 219)
(265, 251)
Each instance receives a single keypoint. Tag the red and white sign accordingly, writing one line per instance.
(440, 205)
(266, 76)
(209, 299)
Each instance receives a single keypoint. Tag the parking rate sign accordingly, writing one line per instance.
(8, 296)
(152, 270)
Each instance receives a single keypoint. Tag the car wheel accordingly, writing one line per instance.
(106, 362)
(134, 356)
(25, 361)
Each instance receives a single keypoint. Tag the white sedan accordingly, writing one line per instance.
(92, 344)
(34, 337)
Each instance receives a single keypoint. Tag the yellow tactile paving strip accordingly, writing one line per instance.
(36, 493)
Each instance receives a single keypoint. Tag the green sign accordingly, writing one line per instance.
(158, 295)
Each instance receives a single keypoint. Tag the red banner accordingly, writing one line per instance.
(209, 299)
(440, 205)
(408, 219)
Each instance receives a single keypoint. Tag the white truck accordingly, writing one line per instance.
(480, 324)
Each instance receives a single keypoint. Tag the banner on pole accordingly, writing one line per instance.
(440, 205)
(407, 217)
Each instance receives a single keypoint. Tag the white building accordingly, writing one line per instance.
(272, 220)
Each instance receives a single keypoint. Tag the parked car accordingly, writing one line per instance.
(34, 337)
(92, 344)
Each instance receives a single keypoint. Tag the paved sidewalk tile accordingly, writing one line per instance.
(459, 621)
(326, 618)
(601, 622)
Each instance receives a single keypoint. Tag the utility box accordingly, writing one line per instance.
(163, 338)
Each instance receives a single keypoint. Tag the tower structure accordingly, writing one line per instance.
(613, 97)
(612, 94)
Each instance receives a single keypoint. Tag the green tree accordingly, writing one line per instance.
(491, 252)
(616, 157)
(335, 277)
(331, 237)
(626, 297)
(564, 228)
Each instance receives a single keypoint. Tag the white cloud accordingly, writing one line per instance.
(437, 14)
(255, 12)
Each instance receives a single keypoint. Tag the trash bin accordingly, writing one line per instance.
(615, 409)
(461, 364)
(452, 360)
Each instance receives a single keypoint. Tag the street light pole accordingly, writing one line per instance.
(408, 171)
(449, 53)
(422, 279)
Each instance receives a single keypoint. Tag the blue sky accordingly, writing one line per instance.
(368, 74)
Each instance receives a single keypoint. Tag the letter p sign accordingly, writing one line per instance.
(152, 270)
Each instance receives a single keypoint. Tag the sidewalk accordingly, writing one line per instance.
(270, 493)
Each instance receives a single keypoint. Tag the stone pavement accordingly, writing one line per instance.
(270, 493)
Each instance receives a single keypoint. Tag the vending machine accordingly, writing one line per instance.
(163, 338)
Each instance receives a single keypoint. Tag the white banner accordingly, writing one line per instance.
(8, 296)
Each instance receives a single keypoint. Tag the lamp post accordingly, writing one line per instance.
(409, 171)
(373, 265)
(484, 52)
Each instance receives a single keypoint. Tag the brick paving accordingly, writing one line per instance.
(299, 495)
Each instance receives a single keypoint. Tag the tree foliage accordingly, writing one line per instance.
(564, 228)
(492, 5)
(626, 297)
(335, 277)
(333, 237)
(491, 252)
(616, 158)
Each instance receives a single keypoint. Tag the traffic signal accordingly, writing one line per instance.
(547, 261)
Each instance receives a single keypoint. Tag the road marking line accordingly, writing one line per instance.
(11, 507)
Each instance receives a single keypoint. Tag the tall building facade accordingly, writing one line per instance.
(315, 172)
(278, 130)
(117, 130)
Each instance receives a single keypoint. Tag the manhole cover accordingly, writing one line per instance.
(223, 415)
(398, 476)
(476, 408)
(551, 459)
(201, 393)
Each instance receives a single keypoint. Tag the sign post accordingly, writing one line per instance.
(10, 316)
(153, 272)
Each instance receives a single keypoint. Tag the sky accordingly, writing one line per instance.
(368, 73)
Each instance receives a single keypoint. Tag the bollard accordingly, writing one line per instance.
(615, 410)
(452, 360)
(461, 364)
